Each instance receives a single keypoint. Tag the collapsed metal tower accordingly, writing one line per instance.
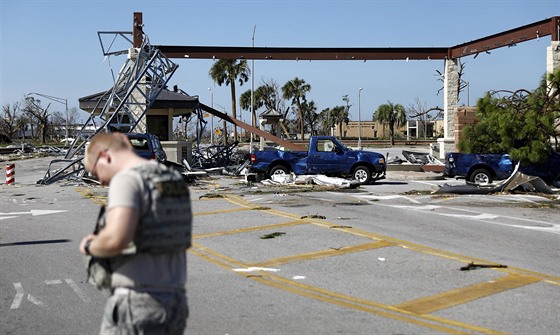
(140, 80)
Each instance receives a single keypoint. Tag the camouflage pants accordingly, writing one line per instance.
(144, 313)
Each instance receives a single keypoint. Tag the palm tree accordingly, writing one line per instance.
(310, 112)
(265, 96)
(335, 116)
(227, 71)
(392, 115)
(295, 90)
(339, 114)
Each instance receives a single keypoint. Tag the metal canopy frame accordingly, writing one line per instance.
(507, 38)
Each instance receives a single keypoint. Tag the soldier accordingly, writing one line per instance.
(141, 240)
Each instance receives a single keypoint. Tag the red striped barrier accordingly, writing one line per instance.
(10, 174)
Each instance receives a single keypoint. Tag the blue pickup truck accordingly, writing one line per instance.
(326, 155)
(483, 169)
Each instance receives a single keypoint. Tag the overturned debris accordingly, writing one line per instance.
(517, 181)
(321, 180)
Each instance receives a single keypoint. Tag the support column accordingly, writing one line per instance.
(137, 99)
(553, 57)
(261, 127)
(450, 101)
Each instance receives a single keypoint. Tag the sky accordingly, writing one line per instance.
(51, 47)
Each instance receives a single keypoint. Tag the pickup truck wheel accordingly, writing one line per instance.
(362, 174)
(481, 177)
(279, 170)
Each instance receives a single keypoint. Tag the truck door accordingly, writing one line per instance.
(326, 157)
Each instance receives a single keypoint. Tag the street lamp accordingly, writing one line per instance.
(59, 100)
(360, 119)
(212, 117)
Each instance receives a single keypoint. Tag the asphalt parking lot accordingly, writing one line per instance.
(381, 258)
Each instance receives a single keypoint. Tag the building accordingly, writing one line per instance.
(372, 130)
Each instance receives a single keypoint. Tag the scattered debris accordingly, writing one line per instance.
(314, 216)
(517, 181)
(341, 227)
(260, 208)
(321, 180)
(273, 235)
(473, 266)
(210, 196)
(421, 158)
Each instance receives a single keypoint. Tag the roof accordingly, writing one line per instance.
(165, 100)
(271, 114)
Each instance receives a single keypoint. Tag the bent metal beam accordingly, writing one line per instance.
(504, 39)
(254, 130)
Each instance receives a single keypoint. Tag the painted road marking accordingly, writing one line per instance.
(486, 217)
(389, 197)
(20, 294)
(402, 315)
(35, 212)
(250, 229)
(231, 210)
(324, 253)
(77, 290)
(463, 295)
(297, 287)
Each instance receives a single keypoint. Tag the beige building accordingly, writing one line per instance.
(415, 129)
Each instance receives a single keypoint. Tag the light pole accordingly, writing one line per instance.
(360, 118)
(212, 117)
(59, 100)
(253, 117)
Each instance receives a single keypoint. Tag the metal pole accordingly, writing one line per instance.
(66, 139)
(212, 117)
(360, 119)
(252, 92)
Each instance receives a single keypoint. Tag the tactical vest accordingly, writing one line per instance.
(165, 224)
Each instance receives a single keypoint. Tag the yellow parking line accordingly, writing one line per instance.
(323, 253)
(372, 307)
(405, 244)
(465, 294)
(249, 229)
(221, 211)
(87, 193)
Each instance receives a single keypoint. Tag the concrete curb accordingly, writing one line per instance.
(413, 175)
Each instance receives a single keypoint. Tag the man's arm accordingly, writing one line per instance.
(117, 234)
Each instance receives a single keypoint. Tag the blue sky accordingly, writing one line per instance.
(51, 47)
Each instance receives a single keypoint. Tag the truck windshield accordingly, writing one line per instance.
(342, 146)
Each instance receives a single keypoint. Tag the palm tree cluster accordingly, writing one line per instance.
(272, 96)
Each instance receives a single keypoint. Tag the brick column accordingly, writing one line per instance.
(137, 101)
(450, 101)
(553, 57)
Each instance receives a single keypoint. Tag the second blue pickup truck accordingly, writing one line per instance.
(483, 169)
(326, 155)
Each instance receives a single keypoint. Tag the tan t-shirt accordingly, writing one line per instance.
(143, 270)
